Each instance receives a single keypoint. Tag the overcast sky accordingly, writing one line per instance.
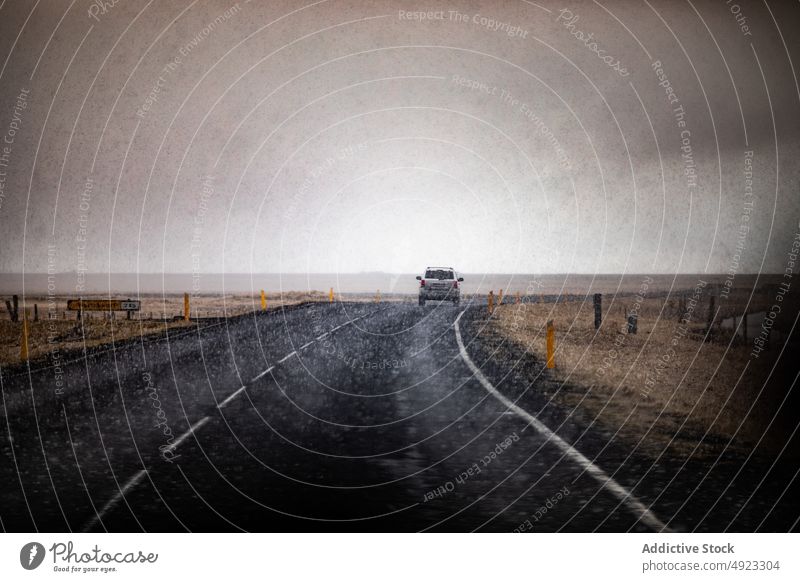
(212, 136)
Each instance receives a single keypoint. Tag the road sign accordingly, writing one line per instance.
(103, 305)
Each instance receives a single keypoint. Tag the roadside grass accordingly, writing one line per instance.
(158, 315)
(662, 388)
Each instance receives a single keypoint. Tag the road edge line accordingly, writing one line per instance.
(608, 483)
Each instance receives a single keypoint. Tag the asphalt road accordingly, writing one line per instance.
(337, 418)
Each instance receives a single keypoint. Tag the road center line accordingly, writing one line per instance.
(230, 398)
(609, 484)
(306, 345)
(262, 374)
(134, 481)
(194, 428)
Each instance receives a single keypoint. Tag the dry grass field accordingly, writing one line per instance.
(58, 329)
(664, 381)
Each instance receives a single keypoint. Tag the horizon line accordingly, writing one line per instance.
(615, 273)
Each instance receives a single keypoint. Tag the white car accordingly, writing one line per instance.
(439, 284)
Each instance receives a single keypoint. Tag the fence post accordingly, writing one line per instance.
(263, 301)
(23, 348)
(598, 310)
(330, 295)
(551, 344)
(378, 296)
(15, 302)
(744, 326)
(500, 296)
(711, 301)
(518, 298)
(491, 302)
(186, 307)
(633, 322)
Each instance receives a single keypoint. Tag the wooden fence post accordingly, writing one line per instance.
(744, 326)
(711, 301)
(491, 302)
(551, 344)
(598, 310)
(23, 347)
(633, 322)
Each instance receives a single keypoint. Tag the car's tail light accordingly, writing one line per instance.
(422, 283)
(455, 284)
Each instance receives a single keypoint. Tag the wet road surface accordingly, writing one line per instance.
(338, 417)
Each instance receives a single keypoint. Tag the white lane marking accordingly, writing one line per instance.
(286, 357)
(262, 374)
(626, 497)
(230, 398)
(134, 481)
(194, 428)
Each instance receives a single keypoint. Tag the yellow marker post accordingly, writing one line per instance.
(491, 302)
(378, 296)
(551, 344)
(23, 348)
(500, 297)
(330, 295)
(186, 307)
(263, 301)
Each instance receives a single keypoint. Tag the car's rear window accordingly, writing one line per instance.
(439, 274)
